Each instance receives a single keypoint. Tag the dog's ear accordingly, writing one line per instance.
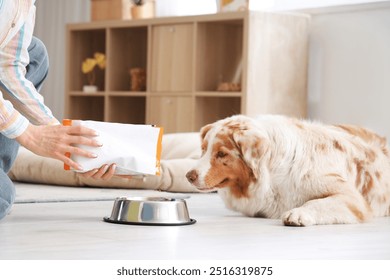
(204, 130)
(252, 145)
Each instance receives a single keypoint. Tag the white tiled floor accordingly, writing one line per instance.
(56, 228)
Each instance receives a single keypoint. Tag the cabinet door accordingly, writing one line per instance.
(172, 113)
(172, 52)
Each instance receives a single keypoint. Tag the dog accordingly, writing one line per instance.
(303, 172)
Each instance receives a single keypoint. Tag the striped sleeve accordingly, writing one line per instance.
(20, 103)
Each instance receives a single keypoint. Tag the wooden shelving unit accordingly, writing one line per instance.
(185, 59)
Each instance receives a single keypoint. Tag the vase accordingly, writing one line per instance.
(138, 79)
(90, 88)
(143, 11)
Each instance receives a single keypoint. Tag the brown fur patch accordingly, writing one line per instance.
(338, 146)
(365, 134)
(225, 140)
(368, 184)
(322, 196)
(348, 128)
(385, 151)
(257, 147)
(349, 166)
(297, 123)
(359, 171)
(300, 126)
(371, 155)
(321, 147)
(255, 153)
(356, 212)
(337, 177)
(364, 179)
(237, 127)
(378, 175)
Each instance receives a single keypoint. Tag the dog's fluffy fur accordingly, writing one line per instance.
(303, 172)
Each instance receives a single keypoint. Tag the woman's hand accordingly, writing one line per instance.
(106, 172)
(103, 173)
(55, 140)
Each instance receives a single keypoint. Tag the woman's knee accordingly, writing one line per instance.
(8, 153)
(38, 67)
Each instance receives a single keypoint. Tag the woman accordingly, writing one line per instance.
(24, 118)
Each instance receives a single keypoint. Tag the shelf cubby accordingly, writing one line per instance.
(127, 49)
(219, 53)
(85, 43)
(88, 107)
(125, 109)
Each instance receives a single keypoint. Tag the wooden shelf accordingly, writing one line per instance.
(82, 93)
(127, 93)
(185, 59)
(218, 94)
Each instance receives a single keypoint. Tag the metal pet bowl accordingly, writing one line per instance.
(150, 211)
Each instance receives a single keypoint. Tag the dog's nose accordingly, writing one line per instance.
(192, 176)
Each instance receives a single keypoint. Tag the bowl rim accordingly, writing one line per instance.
(150, 198)
(108, 220)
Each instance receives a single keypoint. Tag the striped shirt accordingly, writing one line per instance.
(20, 103)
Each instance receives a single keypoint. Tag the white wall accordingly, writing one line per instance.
(304, 4)
(349, 68)
(184, 7)
(51, 18)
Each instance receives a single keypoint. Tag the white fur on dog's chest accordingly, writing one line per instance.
(260, 203)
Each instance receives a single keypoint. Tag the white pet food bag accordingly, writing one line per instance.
(134, 148)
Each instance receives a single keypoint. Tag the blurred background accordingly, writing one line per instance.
(349, 58)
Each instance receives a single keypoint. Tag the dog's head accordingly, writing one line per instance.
(232, 150)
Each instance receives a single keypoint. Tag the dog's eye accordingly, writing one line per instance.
(221, 154)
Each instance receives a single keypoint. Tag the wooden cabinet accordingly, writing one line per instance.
(174, 113)
(172, 73)
(185, 59)
(172, 54)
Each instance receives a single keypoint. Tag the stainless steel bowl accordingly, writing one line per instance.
(150, 211)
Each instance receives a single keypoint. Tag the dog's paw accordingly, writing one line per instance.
(298, 217)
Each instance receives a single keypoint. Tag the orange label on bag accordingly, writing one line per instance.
(67, 122)
(159, 150)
